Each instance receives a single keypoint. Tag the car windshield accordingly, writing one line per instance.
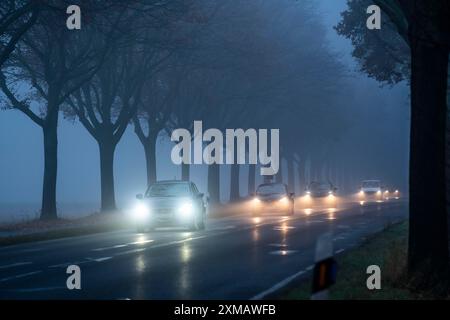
(168, 190)
(371, 184)
(319, 186)
(271, 189)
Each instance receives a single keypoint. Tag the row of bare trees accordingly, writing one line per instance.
(159, 65)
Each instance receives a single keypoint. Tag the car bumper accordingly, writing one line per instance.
(309, 201)
(166, 219)
(272, 207)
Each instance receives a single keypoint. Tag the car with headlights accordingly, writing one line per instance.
(170, 203)
(390, 193)
(320, 193)
(372, 190)
(319, 189)
(273, 198)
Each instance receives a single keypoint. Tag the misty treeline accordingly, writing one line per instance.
(413, 45)
(160, 65)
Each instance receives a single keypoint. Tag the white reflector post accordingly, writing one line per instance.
(324, 268)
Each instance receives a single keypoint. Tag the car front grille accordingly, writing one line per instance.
(164, 211)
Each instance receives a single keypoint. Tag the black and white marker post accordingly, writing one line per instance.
(325, 268)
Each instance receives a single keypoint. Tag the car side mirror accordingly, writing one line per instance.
(140, 196)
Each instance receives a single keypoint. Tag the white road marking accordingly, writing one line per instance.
(109, 248)
(308, 268)
(160, 245)
(129, 251)
(23, 275)
(141, 242)
(66, 264)
(339, 251)
(15, 265)
(282, 228)
(277, 286)
(117, 246)
(99, 259)
(278, 244)
(282, 252)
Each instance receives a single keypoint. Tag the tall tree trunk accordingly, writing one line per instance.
(301, 178)
(50, 128)
(291, 175)
(279, 175)
(214, 184)
(185, 172)
(447, 153)
(108, 200)
(251, 178)
(150, 158)
(234, 183)
(428, 238)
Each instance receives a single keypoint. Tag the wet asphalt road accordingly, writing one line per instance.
(238, 257)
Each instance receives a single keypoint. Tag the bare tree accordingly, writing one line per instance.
(54, 62)
(422, 30)
(107, 104)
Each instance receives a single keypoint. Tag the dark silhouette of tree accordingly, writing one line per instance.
(54, 62)
(154, 111)
(425, 28)
(108, 102)
(16, 18)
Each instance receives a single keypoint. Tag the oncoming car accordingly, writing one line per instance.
(273, 198)
(320, 193)
(371, 190)
(170, 203)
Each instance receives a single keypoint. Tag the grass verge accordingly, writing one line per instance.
(388, 250)
(37, 230)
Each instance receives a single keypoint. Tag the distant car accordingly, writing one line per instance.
(318, 189)
(320, 194)
(170, 203)
(273, 198)
(371, 190)
(390, 193)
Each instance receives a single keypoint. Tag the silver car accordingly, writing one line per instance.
(170, 203)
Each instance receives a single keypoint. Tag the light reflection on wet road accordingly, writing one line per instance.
(235, 258)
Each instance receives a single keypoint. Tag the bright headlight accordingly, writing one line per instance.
(186, 209)
(256, 200)
(379, 192)
(284, 200)
(141, 211)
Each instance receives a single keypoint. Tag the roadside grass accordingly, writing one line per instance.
(38, 230)
(388, 250)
